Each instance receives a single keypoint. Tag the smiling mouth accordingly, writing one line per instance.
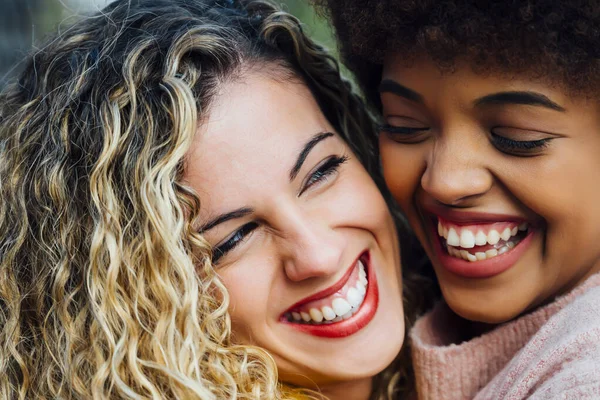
(342, 309)
(339, 306)
(479, 242)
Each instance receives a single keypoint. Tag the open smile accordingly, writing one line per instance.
(342, 309)
(482, 245)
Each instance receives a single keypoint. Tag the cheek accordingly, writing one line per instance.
(563, 191)
(364, 204)
(248, 304)
(402, 170)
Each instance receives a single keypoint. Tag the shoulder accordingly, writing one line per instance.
(561, 359)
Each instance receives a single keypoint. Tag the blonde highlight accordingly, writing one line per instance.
(106, 288)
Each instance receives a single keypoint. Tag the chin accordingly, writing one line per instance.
(488, 315)
(353, 364)
(484, 306)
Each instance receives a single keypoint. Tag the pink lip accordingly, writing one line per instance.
(484, 268)
(349, 326)
(470, 217)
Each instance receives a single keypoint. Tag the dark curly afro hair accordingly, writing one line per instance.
(554, 40)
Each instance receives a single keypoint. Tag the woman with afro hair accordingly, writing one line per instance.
(490, 143)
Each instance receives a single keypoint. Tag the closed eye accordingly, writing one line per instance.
(502, 140)
(329, 167)
(233, 241)
(402, 134)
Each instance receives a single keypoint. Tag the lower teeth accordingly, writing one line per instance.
(480, 256)
(336, 319)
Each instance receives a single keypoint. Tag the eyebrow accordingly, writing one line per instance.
(518, 97)
(242, 212)
(512, 97)
(390, 86)
(306, 150)
(239, 213)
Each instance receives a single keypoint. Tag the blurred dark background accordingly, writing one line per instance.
(24, 24)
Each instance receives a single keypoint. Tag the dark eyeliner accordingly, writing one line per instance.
(235, 239)
(506, 144)
(329, 167)
(401, 130)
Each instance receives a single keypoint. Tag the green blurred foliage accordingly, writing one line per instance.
(317, 26)
(34, 19)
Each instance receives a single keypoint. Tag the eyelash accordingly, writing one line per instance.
(238, 237)
(508, 145)
(401, 130)
(405, 135)
(329, 167)
(502, 143)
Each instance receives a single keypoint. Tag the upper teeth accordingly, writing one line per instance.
(341, 307)
(469, 237)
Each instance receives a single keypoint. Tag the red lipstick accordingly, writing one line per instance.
(357, 321)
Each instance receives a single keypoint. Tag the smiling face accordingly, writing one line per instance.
(498, 177)
(303, 239)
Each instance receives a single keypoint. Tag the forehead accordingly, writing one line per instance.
(424, 75)
(251, 136)
(463, 83)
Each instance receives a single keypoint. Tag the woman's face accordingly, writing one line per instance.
(499, 179)
(303, 239)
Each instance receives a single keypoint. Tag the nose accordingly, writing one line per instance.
(312, 248)
(455, 173)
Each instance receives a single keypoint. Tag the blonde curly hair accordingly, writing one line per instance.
(106, 288)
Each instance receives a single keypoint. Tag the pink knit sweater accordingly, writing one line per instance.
(551, 353)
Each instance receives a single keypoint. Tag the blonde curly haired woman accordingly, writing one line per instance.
(189, 210)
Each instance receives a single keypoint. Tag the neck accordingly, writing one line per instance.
(353, 390)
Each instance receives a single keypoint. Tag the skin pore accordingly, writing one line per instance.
(478, 153)
(290, 212)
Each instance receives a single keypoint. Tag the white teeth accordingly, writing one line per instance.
(361, 288)
(453, 239)
(361, 270)
(340, 306)
(316, 315)
(354, 297)
(362, 274)
(491, 253)
(363, 280)
(305, 316)
(480, 239)
(467, 239)
(328, 313)
(493, 237)
(479, 256)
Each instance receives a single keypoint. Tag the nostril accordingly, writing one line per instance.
(455, 182)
